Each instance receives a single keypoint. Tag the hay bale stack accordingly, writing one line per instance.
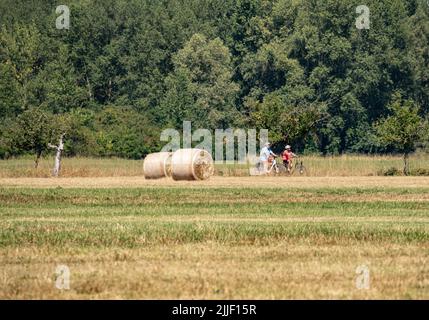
(191, 164)
(157, 165)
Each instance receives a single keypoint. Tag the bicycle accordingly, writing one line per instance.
(277, 167)
(299, 167)
(274, 168)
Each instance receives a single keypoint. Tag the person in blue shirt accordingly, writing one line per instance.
(265, 154)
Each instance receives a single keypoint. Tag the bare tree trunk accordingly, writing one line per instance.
(36, 162)
(59, 148)
(406, 164)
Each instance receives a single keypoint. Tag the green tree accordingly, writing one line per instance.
(60, 85)
(418, 31)
(81, 138)
(9, 92)
(33, 131)
(402, 129)
(217, 63)
(123, 132)
(287, 124)
(201, 89)
(20, 51)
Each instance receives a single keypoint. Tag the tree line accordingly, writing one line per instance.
(127, 69)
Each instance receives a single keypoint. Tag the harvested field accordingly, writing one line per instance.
(224, 182)
(249, 237)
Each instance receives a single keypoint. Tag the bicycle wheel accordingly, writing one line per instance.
(301, 169)
(257, 169)
(272, 170)
(281, 169)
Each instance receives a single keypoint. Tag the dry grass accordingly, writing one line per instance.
(354, 165)
(224, 182)
(346, 165)
(227, 238)
(282, 270)
(72, 167)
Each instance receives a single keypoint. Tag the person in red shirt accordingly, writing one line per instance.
(287, 157)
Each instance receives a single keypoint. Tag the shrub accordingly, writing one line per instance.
(420, 172)
(392, 171)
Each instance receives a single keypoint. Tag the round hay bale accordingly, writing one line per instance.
(157, 165)
(191, 164)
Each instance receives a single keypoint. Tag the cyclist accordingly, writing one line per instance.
(287, 157)
(265, 156)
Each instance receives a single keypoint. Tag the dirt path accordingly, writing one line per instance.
(296, 182)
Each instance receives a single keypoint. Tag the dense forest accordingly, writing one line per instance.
(127, 69)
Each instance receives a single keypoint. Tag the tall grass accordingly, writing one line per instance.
(360, 165)
(71, 167)
(345, 165)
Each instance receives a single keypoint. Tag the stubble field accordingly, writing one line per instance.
(229, 237)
